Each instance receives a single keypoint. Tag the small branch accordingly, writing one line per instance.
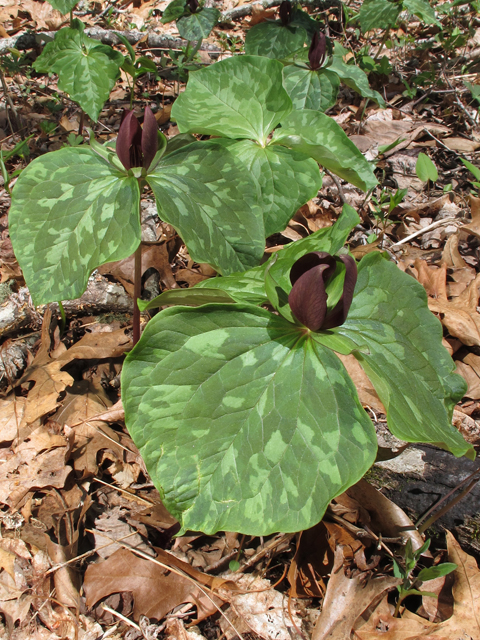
(420, 232)
(341, 194)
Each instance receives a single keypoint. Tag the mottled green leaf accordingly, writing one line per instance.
(192, 297)
(274, 40)
(87, 70)
(309, 89)
(198, 25)
(399, 344)
(378, 14)
(287, 180)
(243, 422)
(249, 286)
(173, 11)
(208, 196)
(356, 79)
(241, 97)
(421, 9)
(302, 19)
(71, 212)
(320, 137)
(64, 6)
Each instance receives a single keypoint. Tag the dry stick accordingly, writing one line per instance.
(420, 232)
(80, 124)
(105, 607)
(449, 504)
(179, 572)
(10, 103)
(137, 292)
(128, 493)
(341, 193)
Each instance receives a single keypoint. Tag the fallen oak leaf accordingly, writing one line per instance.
(156, 591)
(473, 227)
(459, 316)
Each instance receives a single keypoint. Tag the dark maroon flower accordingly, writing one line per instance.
(193, 5)
(308, 297)
(286, 12)
(316, 53)
(136, 147)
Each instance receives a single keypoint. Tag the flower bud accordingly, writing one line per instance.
(316, 53)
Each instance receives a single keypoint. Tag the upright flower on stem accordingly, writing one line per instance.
(308, 297)
(286, 11)
(193, 5)
(136, 147)
(316, 53)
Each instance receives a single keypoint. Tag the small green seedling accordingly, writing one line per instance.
(425, 169)
(474, 170)
(411, 584)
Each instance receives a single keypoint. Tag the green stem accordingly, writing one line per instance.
(63, 317)
(81, 123)
(137, 292)
(380, 48)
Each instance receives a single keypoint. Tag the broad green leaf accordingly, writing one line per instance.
(198, 25)
(302, 19)
(191, 297)
(274, 40)
(208, 196)
(421, 9)
(249, 286)
(241, 97)
(64, 6)
(472, 168)
(320, 137)
(244, 423)
(356, 79)
(378, 14)
(399, 345)
(287, 180)
(71, 212)
(430, 573)
(87, 70)
(309, 89)
(425, 168)
(174, 10)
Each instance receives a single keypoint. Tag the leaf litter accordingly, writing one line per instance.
(78, 505)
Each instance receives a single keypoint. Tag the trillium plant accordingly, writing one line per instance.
(236, 393)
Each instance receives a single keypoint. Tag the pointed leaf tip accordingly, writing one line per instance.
(149, 137)
(129, 137)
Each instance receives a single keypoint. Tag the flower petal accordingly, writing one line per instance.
(308, 298)
(149, 137)
(338, 314)
(129, 135)
(316, 53)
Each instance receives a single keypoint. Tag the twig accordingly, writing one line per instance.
(420, 232)
(121, 617)
(341, 193)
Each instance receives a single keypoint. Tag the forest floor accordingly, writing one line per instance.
(87, 550)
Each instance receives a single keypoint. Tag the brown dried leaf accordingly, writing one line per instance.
(259, 14)
(386, 517)
(471, 377)
(66, 578)
(474, 226)
(450, 255)
(468, 427)
(11, 414)
(98, 345)
(346, 599)
(155, 255)
(155, 590)
(311, 564)
(38, 462)
(366, 392)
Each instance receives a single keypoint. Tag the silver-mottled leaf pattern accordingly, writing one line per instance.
(209, 197)
(87, 70)
(311, 89)
(287, 180)
(317, 135)
(241, 97)
(198, 25)
(244, 423)
(71, 212)
(274, 40)
(399, 344)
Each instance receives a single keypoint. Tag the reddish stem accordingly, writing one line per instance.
(137, 292)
